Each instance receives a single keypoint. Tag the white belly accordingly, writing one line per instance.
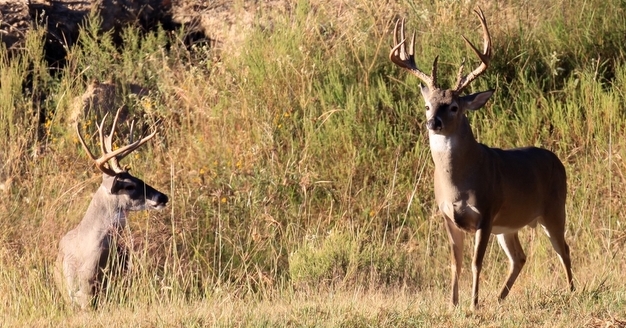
(496, 230)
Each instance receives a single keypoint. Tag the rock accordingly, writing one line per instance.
(15, 20)
(101, 98)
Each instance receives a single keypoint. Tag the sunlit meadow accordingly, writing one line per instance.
(297, 164)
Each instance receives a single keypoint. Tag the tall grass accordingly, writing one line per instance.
(297, 165)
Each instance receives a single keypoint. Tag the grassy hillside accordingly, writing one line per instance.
(296, 159)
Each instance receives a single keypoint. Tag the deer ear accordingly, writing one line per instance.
(476, 100)
(119, 182)
(108, 182)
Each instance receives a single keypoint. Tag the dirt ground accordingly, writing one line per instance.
(219, 21)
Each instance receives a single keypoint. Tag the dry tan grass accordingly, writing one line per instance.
(295, 138)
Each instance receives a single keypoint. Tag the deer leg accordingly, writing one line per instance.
(84, 295)
(481, 241)
(456, 237)
(557, 239)
(513, 249)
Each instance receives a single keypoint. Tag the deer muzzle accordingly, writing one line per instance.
(157, 201)
(434, 124)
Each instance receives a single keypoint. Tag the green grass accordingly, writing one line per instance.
(297, 164)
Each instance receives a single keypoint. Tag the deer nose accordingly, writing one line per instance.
(434, 124)
(162, 199)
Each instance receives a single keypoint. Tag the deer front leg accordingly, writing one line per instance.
(456, 237)
(482, 239)
(84, 282)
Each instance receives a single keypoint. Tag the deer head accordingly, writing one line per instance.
(445, 108)
(133, 194)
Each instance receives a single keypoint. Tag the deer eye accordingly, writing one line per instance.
(454, 109)
(427, 107)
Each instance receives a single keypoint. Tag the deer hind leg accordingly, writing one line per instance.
(513, 249)
(456, 237)
(555, 229)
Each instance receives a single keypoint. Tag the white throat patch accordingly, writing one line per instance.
(440, 143)
(120, 219)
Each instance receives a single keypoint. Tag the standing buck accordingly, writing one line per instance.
(481, 189)
(85, 250)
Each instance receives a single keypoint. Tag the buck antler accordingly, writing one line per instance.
(404, 58)
(485, 57)
(399, 56)
(109, 156)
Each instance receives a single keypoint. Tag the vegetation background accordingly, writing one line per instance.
(297, 164)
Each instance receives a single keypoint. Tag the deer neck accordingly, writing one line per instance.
(455, 155)
(105, 214)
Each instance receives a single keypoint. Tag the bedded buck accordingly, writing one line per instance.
(84, 251)
(481, 189)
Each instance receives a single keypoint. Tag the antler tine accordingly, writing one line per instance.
(108, 141)
(132, 130)
(99, 163)
(101, 134)
(433, 73)
(82, 142)
(130, 140)
(134, 145)
(485, 56)
(459, 75)
(109, 138)
(399, 56)
(109, 156)
(120, 153)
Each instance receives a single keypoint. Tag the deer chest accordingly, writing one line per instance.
(465, 216)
